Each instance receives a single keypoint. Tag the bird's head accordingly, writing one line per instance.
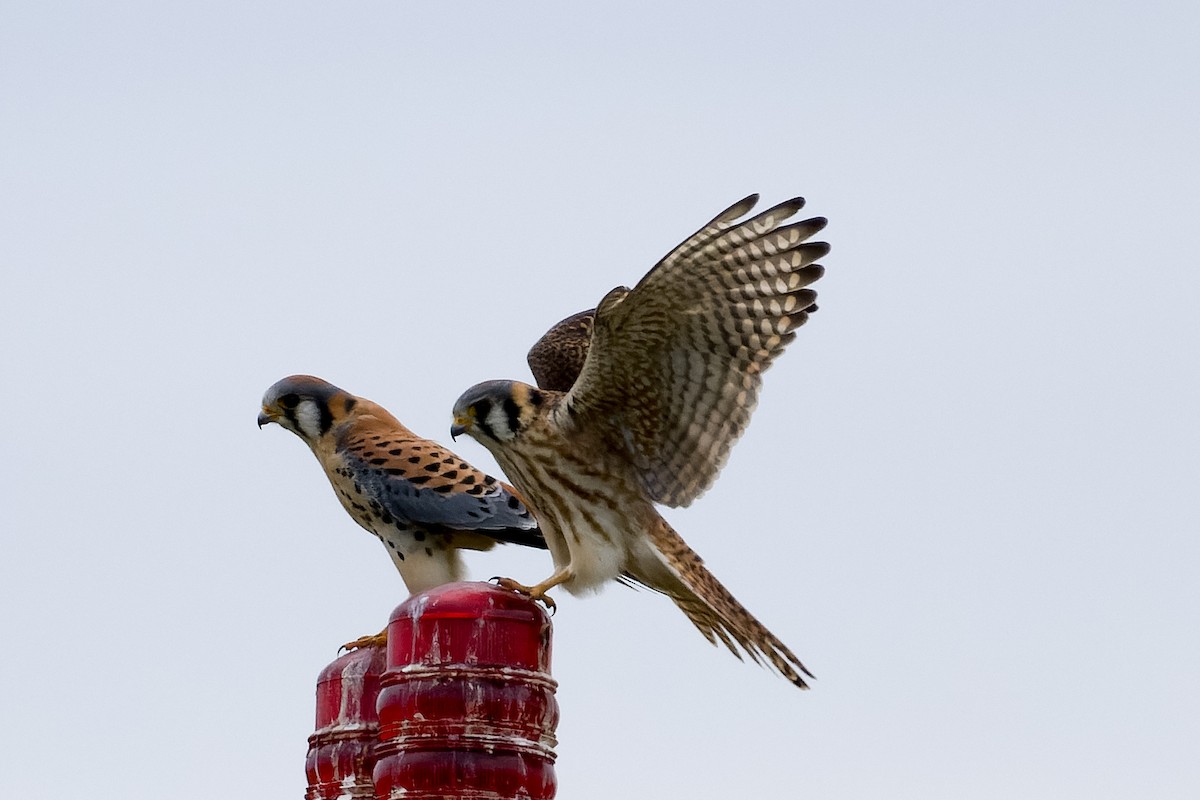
(496, 411)
(306, 406)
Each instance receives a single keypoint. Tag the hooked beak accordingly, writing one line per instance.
(266, 417)
(460, 426)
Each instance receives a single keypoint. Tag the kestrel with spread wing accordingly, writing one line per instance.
(421, 500)
(652, 390)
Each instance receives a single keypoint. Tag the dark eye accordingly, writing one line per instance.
(289, 401)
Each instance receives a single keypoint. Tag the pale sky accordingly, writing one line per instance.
(967, 499)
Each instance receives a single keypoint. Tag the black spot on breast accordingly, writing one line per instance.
(394, 471)
(429, 552)
(514, 503)
(468, 479)
(357, 488)
(432, 467)
(488, 480)
(386, 518)
(415, 460)
(444, 489)
(451, 475)
(420, 479)
(378, 461)
(398, 451)
(419, 536)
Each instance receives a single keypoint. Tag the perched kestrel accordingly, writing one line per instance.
(421, 500)
(670, 374)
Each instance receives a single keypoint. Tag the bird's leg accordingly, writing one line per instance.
(538, 591)
(376, 640)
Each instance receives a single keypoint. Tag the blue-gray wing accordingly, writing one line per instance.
(419, 481)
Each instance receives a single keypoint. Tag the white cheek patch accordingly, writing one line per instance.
(308, 419)
(497, 422)
(501, 425)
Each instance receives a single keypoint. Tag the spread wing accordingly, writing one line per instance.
(419, 481)
(676, 363)
(556, 359)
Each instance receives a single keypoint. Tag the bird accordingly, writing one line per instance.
(421, 500)
(652, 389)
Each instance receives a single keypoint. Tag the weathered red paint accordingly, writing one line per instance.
(341, 753)
(466, 704)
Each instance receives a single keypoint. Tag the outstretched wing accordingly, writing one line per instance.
(676, 363)
(419, 481)
(556, 359)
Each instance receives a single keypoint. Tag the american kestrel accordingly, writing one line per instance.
(421, 500)
(666, 387)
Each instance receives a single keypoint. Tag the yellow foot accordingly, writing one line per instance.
(377, 640)
(535, 593)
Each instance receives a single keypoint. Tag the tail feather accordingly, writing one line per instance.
(715, 611)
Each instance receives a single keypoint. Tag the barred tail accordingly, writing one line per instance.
(713, 610)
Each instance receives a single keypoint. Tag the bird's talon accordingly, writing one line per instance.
(375, 640)
(513, 586)
(532, 592)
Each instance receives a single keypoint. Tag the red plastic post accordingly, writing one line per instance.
(466, 704)
(341, 753)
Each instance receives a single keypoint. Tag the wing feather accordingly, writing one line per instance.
(418, 481)
(676, 363)
(556, 359)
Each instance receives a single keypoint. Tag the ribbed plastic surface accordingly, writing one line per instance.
(466, 705)
(341, 752)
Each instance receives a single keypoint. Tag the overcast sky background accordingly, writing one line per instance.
(968, 499)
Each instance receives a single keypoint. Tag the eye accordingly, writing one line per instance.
(289, 401)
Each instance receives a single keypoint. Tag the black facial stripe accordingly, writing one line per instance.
(326, 418)
(350, 404)
(514, 414)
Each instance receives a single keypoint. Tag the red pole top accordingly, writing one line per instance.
(341, 753)
(466, 705)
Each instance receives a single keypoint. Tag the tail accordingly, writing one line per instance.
(712, 609)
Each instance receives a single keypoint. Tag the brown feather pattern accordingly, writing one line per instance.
(670, 376)
(678, 360)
